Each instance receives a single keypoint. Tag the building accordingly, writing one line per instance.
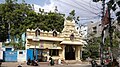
(82, 29)
(94, 29)
(66, 45)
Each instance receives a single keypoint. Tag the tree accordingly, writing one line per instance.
(112, 5)
(15, 18)
(93, 46)
(12, 15)
(114, 34)
(51, 21)
(73, 17)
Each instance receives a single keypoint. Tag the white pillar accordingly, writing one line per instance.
(63, 52)
(77, 53)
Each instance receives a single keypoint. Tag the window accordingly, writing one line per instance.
(20, 52)
(99, 24)
(94, 31)
(54, 52)
(94, 27)
(92, 22)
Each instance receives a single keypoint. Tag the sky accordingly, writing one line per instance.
(87, 10)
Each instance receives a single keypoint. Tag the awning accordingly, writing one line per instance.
(71, 43)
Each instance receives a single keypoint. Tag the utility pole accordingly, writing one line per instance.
(102, 35)
(103, 29)
(110, 28)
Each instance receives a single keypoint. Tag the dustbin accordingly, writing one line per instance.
(59, 61)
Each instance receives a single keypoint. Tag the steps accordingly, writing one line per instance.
(72, 61)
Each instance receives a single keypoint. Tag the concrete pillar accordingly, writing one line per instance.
(77, 53)
(63, 52)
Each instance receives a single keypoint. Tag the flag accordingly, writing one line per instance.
(105, 22)
(105, 19)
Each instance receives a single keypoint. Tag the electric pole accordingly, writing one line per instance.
(110, 27)
(102, 34)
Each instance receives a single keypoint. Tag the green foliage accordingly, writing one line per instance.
(51, 21)
(16, 46)
(17, 17)
(112, 5)
(94, 43)
(93, 47)
(85, 54)
(73, 17)
(21, 16)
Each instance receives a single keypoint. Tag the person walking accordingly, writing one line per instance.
(51, 61)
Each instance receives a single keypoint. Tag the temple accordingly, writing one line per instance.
(66, 45)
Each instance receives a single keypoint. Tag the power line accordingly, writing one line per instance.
(88, 5)
(91, 4)
(79, 7)
(89, 18)
(86, 8)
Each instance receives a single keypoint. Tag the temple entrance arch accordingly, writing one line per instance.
(69, 52)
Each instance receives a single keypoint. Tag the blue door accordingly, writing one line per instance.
(10, 56)
(30, 54)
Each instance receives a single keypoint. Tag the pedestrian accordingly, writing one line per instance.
(28, 61)
(51, 61)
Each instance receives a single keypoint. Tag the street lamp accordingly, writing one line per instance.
(36, 39)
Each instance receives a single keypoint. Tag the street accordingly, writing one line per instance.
(15, 64)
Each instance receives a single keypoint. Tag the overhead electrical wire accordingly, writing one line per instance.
(91, 4)
(83, 8)
(87, 5)
(89, 18)
(86, 8)
(71, 5)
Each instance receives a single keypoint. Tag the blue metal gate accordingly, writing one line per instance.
(30, 54)
(10, 56)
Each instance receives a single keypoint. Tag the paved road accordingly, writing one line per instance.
(15, 64)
